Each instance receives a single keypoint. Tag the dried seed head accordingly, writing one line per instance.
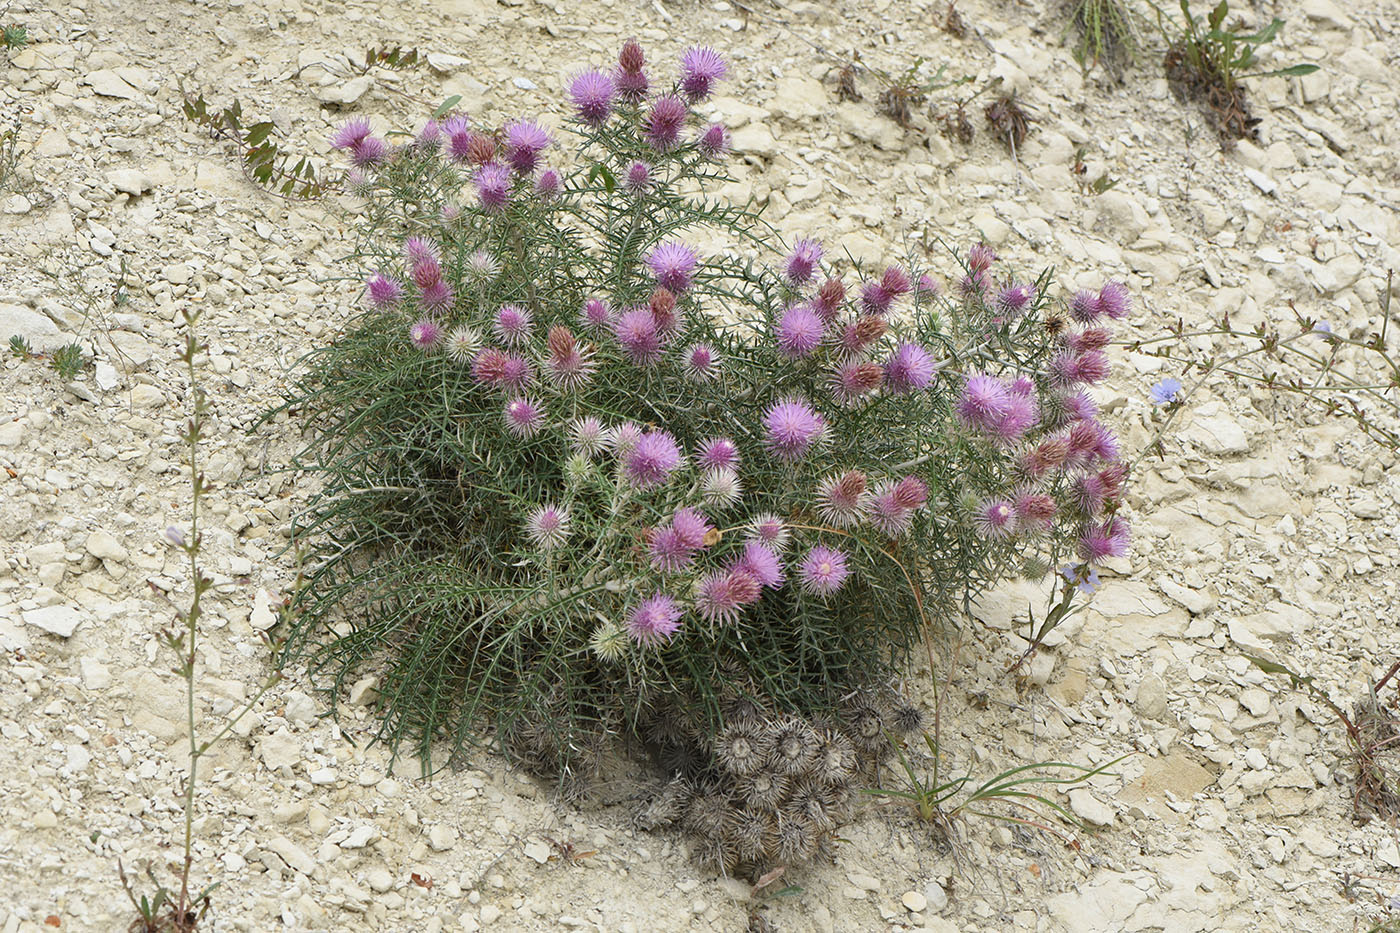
(743, 747)
(754, 834)
(796, 839)
(906, 718)
(717, 853)
(807, 800)
(741, 707)
(708, 814)
(667, 806)
(795, 746)
(764, 790)
(868, 729)
(836, 758)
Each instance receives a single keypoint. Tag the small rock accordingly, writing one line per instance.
(108, 83)
(937, 895)
(323, 776)
(525, 84)
(132, 181)
(106, 376)
(799, 98)
(144, 396)
(1261, 181)
(78, 758)
(347, 93)
(300, 707)
(18, 204)
(11, 433)
(1089, 808)
(280, 749)
(359, 837)
(1151, 702)
(363, 692)
(56, 620)
(262, 617)
(380, 881)
(914, 902)
(1254, 700)
(295, 856)
(95, 674)
(442, 838)
(537, 850)
(445, 64)
(1255, 759)
(490, 913)
(103, 546)
(863, 881)
(37, 330)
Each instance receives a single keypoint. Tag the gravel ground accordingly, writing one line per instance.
(1263, 529)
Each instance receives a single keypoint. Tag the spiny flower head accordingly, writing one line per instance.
(669, 551)
(799, 332)
(516, 372)
(425, 272)
(720, 595)
(662, 303)
(701, 363)
(493, 186)
(463, 343)
(664, 122)
(1079, 407)
(1088, 493)
(1114, 300)
(830, 297)
(673, 265)
(713, 142)
(596, 314)
(791, 428)
(701, 67)
(637, 334)
(823, 571)
(630, 79)
(369, 151)
(436, 296)
(654, 620)
(548, 526)
(1034, 511)
(592, 95)
(1102, 540)
(927, 286)
(875, 298)
(910, 368)
(524, 143)
(482, 267)
(489, 366)
(861, 333)
(430, 136)
(547, 184)
(1091, 338)
(995, 519)
(524, 416)
(569, 365)
(981, 257)
(350, 134)
(1013, 299)
(587, 436)
(425, 333)
(763, 563)
(1022, 413)
(384, 292)
(420, 250)
(770, 531)
(717, 453)
(514, 324)
(1068, 369)
(652, 459)
(887, 513)
(692, 527)
(638, 177)
(721, 487)
(802, 262)
(984, 402)
(1084, 307)
(853, 381)
(910, 492)
(841, 500)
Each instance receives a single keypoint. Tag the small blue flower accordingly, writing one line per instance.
(1087, 582)
(1165, 392)
(1323, 329)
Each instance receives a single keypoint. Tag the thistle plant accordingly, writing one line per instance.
(595, 447)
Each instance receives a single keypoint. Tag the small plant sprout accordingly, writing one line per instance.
(180, 910)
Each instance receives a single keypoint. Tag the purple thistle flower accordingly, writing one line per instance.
(419, 250)
(592, 94)
(513, 324)
(1068, 369)
(984, 402)
(692, 527)
(718, 599)
(664, 122)
(995, 519)
(548, 184)
(769, 530)
(1092, 338)
(669, 551)
(637, 335)
(896, 281)
(853, 381)
(792, 427)
(459, 143)
(673, 265)
(889, 516)
(516, 372)
(425, 272)
(828, 300)
(624, 437)
(631, 80)
(1022, 385)
(568, 364)
(802, 262)
(654, 620)
(718, 453)
(910, 369)
(524, 143)
(638, 178)
(1079, 407)
(1035, 511)
(587, 436)
(430, 136)
(1083, 443)
(383, 291)
(700, 68)
(489, 366)
(823, 571)
(1105, 539)
(973, 285)
(763, 565)
(714, 142)
(437, 295)
(493, 186)
(652, 460)
(369, 151)
(926, 286)
(1166, 391)
(524, 417)
(981, 257)
(425, 333)
(799, 332)
(1088, 493)
(875, 298)
(548, 526)
(910, 492)
(1022, 413)
(701, 363)
(1013, 299)
(350, 134)
(596, 314)
(1084, 307)
(1114, 300)
(1105, 443)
